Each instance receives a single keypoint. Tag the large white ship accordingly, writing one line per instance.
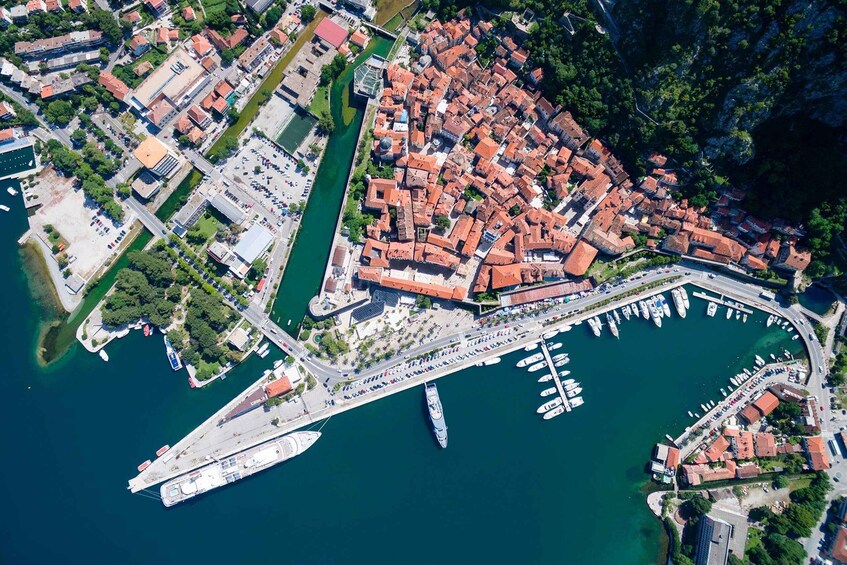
(436, 414)
(236, 467)
(678, 302)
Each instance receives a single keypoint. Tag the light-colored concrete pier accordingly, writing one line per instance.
(721, 302)
(555, 374)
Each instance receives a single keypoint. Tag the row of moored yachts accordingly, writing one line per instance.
(570, 387)
(653, 308)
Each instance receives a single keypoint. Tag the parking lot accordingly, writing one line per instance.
(269, 175)
(88, 237)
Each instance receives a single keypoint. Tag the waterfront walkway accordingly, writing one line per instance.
(213, 440)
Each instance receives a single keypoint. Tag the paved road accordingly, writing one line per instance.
(215, 440)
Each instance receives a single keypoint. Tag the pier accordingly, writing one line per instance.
(555, 375)
(721, 302)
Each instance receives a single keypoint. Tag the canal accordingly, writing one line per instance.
(305, 268)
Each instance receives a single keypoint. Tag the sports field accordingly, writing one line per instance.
(293, 134)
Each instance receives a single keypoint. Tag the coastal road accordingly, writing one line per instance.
(250, 431)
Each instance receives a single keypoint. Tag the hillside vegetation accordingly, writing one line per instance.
(747, 92)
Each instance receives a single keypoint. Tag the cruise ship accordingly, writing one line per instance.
(678, 303)
(236, 467)
(436, 414)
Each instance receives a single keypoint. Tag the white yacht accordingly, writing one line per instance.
(574, 392)
(729, 312)
(547, 406)
(531, 359)
(560, 356)
(711, 309)
(645, 311)
(559, 410)
(548, 391)
(684, 294)
(550, 335)
(574, 402)
(677, 302)
(546, 379)
(538, 366)
(554, 346)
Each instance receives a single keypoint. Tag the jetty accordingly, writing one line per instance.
(555, 374)
(721, 302)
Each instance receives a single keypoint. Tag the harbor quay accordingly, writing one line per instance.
(212, 440)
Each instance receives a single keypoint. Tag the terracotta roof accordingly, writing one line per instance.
(580, 258)
(331, 32)
(816, 451)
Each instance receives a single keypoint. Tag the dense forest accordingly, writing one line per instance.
(751, 93)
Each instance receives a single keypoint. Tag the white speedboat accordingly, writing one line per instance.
(548, 391)
(574, 392)
(744, 318)
(546, 379)
(560, 356)
(566, 329)
(770, 321)
(568, 382)
(538, 366)
(613, 326)
(626, 312)
(4, 207)
(531, 346)
(738, 314)
(562, 363)
(690, 415)
(617, 317)
(554, 346)
(571, 386)
(565, 374)
(547, 406)
(559, 410)
(12, 191)
(493, 361)
(723, 392)
(711, 309)
(103, 355)
(704, 408)
(574, 402)
(729, 312)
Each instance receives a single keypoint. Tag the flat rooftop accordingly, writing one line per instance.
(174, 78)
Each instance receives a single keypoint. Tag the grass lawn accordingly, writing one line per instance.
(267, 87)
(207, 226)
(754, 538)
(387, 9)
(320, 103)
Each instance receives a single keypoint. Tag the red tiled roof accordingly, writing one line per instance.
(331, 32)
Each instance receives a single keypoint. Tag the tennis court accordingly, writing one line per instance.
(296, 130)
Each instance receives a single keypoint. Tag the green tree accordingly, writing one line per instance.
(308, 13)
(441, 222)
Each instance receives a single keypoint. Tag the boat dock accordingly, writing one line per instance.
(721, 302)
(555, 375)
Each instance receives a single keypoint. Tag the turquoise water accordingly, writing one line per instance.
(375, 488)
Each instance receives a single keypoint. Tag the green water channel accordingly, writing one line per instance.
(305, 268)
